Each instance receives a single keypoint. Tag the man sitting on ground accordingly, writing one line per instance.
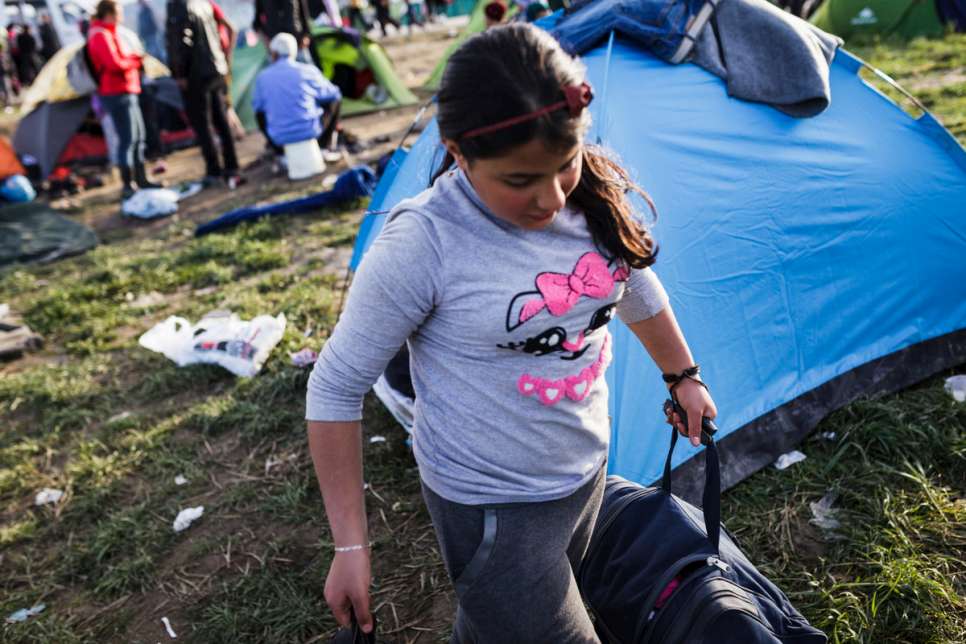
(294, 102)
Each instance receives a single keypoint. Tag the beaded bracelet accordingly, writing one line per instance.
(361, 546)
(691, 373)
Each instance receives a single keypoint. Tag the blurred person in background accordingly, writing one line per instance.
(357, 19)
(536, 10)
(294, 102)
(199, 67)
(494, 12)
(285, 17)
(228, 39)
(149, 30)
(27, 66)
(383, 17)
(49, 41)
(118, 74)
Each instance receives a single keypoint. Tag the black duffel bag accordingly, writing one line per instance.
(659, 571)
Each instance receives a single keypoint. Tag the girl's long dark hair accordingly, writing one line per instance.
(516, 69)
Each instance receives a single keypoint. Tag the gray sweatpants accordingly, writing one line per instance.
(513, 565)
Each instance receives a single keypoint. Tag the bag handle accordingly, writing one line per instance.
(711, 500)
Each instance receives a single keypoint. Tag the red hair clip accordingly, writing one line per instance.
(576, 98)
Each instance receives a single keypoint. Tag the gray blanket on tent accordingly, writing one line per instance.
(769, 56)
(32, 232)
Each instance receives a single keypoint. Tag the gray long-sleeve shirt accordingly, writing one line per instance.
(508, 344)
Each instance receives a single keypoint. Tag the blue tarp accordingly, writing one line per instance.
(351, 184)
(794, 251)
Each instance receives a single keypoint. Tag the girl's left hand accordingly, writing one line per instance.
(696, 402)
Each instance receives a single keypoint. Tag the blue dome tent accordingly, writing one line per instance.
(809, 261)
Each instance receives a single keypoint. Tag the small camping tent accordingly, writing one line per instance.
(809, 261)
(246, 63)
(362, 70)
(906, 18)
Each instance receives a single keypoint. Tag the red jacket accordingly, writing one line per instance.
(117, 69)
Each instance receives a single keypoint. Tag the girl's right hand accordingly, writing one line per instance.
(347, 587)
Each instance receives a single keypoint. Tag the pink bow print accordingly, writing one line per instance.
(591, 278)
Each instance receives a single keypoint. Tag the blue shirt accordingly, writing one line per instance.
(292, 95)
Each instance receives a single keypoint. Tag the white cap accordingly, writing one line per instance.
(284, 45)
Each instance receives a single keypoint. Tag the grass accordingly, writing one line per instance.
(112, 424)
(934, 71)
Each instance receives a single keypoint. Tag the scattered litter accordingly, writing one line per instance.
(823, 514)
(145, 300)
(787, 460)
(15, 336)
(401, 406)
(956, 387)
(17, 189)
(116, 418)
(190, 189)
(377, 439)
(150, 203)
(48, 495)
(167, 627)
(24, 614)
(180, 480)
(271, 461)
(308, 332)
(827, 436)
(186, 517)
(220, 338)
(304, 358)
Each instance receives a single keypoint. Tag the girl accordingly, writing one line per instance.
(501, 278)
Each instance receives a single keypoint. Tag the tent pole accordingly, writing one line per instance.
(603, 91)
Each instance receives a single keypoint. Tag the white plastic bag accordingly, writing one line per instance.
(956, 387)
(149, 203)
(223, 339)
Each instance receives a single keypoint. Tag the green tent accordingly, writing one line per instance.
(352, 66)
(245, 65)
(476, 25)
(907, 18)
(460, 7)
(342, 62)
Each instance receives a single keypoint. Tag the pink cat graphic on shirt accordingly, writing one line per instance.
(557, 294)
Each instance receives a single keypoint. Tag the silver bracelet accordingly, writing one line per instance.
(361, 546)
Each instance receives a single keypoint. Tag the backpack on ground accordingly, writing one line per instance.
(659, 570)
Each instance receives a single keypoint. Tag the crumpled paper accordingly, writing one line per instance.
(787, 460)
(24, 614)
(48, 495)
